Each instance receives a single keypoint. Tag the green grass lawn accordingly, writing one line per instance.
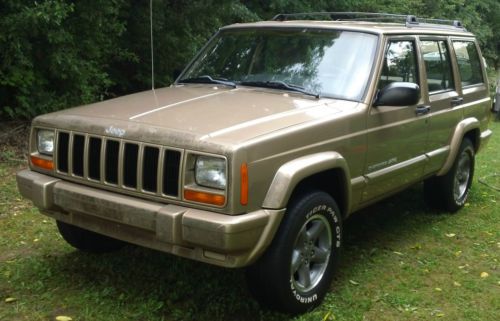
(402, 261)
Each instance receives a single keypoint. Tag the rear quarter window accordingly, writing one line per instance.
(468, 62)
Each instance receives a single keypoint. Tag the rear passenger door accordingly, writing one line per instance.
(454, 80)
(442, 96)
(472, 79)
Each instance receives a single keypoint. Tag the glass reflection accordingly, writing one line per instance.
(329, 63)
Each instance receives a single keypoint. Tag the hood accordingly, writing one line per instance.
(205, 112)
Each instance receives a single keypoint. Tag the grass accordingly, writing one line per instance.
(402, 261)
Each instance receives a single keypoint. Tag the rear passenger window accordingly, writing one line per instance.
(437, 65)
(399, 64)
(468, 63)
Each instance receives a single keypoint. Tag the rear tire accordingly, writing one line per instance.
(450, 191)
(295, 272)
(88, 241)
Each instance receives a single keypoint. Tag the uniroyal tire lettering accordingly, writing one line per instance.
(300, 298)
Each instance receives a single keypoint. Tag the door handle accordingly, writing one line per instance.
(422, 110)
(456, 101)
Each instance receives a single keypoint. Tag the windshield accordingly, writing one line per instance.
(327, 63)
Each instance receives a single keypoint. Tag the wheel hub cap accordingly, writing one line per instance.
(311, 253)
(462, 176)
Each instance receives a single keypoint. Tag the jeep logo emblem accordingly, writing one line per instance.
(115, 131)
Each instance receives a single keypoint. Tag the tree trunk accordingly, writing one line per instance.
(496, 107)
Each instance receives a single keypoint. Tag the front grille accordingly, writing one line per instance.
(119, 163)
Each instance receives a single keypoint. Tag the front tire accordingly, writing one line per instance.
(450, 191)
(295, 273)
(88, 241)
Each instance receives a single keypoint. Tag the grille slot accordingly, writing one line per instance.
(130, 159)
(150, 169)
(94, 158)
(62, 152)
(111, 161)
(171, 169)
(78, 149)
(121, 164)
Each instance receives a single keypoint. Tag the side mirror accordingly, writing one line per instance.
(398, 94)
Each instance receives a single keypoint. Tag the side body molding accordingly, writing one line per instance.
(462, 127)
(291, 173)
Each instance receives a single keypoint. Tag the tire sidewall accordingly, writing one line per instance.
(468, 148)
(317, 203)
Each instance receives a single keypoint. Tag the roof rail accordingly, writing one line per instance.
(409, 20)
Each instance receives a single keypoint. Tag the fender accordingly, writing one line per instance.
(458, 135)
(292, 172)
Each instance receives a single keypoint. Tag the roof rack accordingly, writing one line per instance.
(409, 20)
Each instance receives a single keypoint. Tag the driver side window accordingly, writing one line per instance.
(399, 63)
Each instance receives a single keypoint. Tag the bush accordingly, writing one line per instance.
(56, 54)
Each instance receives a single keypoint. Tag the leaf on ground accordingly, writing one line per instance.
(437, 313)
(438, 289)
(353, 282)
(63, 318)
(458, 253)
(10, 300)
(484, 274)
(398, 253)
(450, 234)
(455, 283)
(417, 246)
(329, 316)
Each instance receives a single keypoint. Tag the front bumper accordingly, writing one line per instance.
(224, 240)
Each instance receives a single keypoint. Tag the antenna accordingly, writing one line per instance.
(152, 47)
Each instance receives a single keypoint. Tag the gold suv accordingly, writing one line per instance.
(272, 136)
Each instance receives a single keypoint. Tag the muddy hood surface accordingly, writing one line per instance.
(208, 113)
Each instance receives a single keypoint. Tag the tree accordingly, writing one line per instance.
(60, 53)
(54, 54)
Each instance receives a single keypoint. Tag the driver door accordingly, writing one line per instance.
(396, 136)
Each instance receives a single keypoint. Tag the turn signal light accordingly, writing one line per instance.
(204, 197)
(42, 163)
(244, 184)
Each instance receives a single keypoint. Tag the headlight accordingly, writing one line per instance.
(45, 141)
(210, 172)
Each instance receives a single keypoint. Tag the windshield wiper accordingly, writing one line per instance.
(208, 79)
(278, 84)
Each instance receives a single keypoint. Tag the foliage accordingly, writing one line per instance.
(60, 53)
(54, 54)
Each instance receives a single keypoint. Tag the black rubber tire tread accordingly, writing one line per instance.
(269, 278)
(88, 241)
(438, 190)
